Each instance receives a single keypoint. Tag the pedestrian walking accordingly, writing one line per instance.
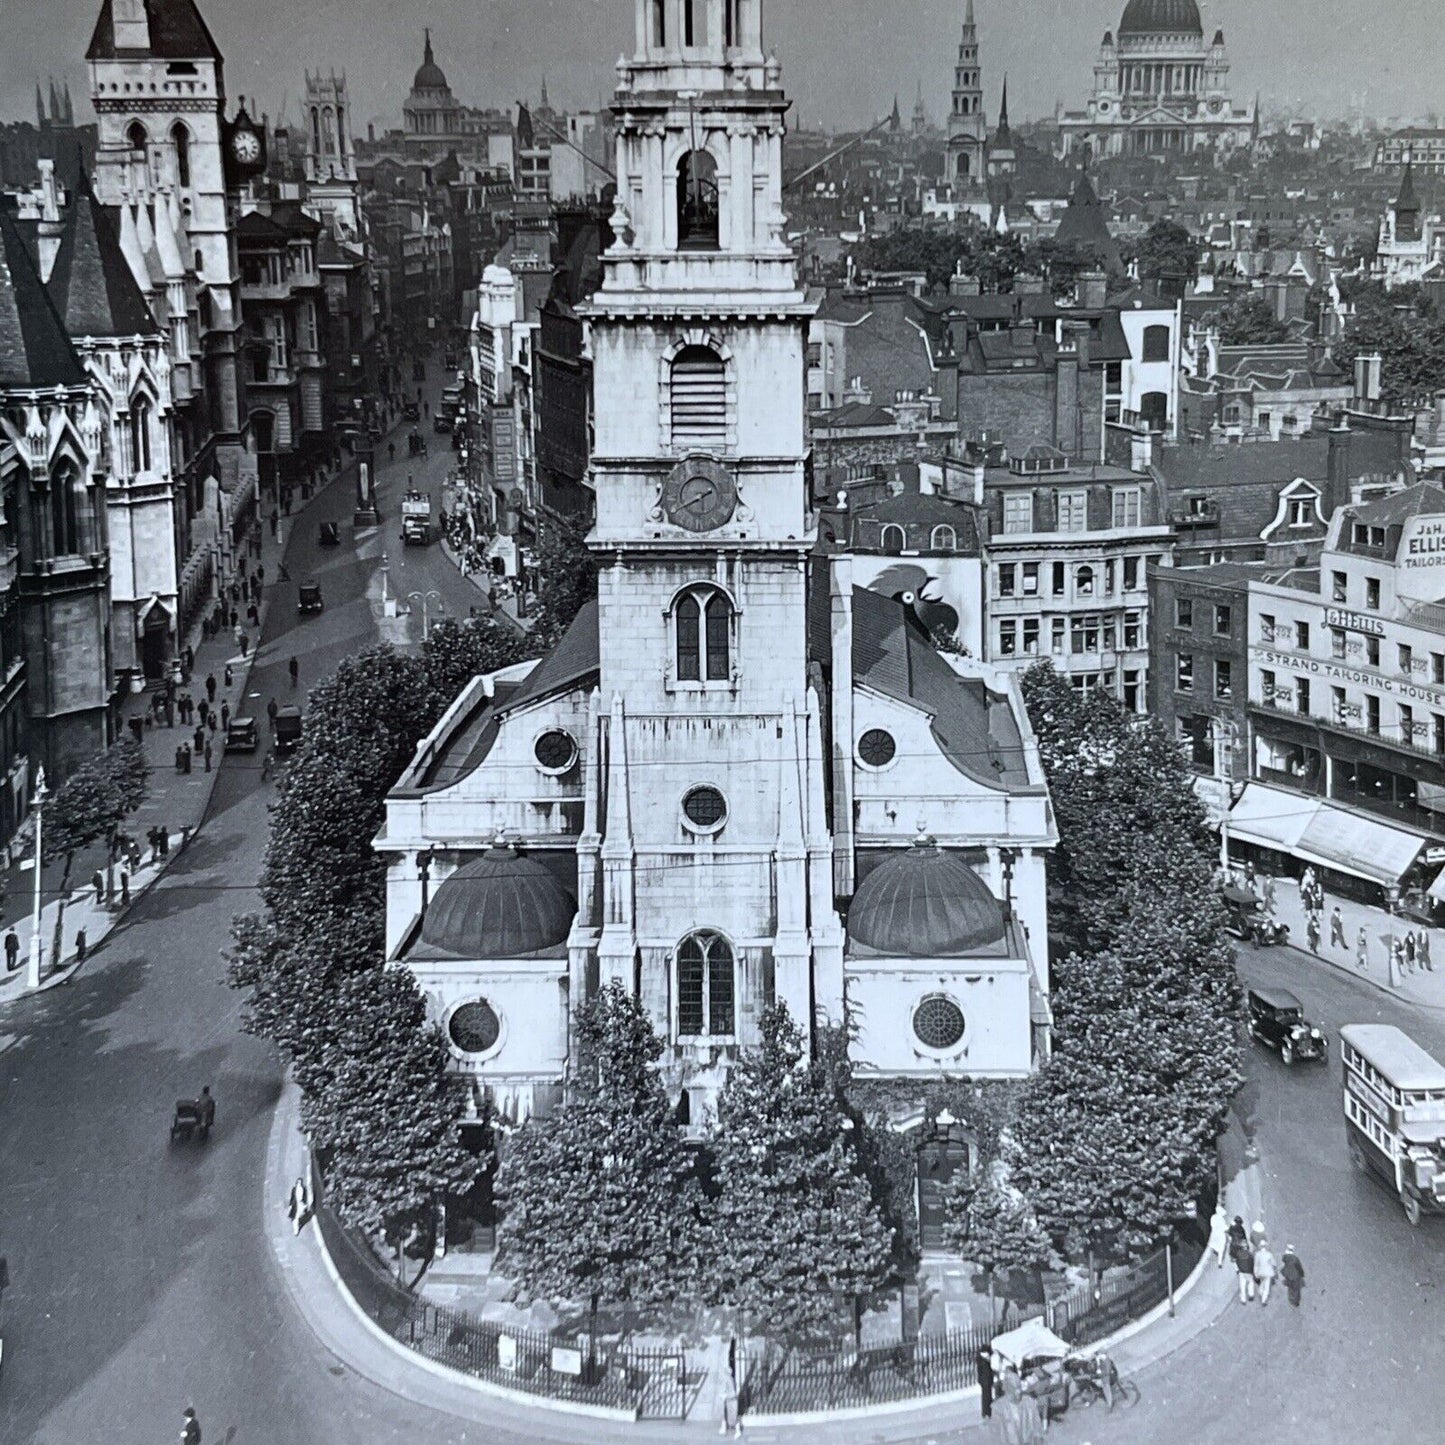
(208, 755)
(267, 763)
(1410, 949)
(125, 885)
(1219, 1235)
(275, 522)
(190, 1428)
(1257, 1233)
(1269, 892)
(205, 711)
(12, 951)
(230, 675)
(225, 716)
(1337, 929)
(984, 1364)
(1292, 1272)
(1265, 1270)
(260, 577)
(211, 722)
(1362, 948)
(390, 452)
(1244, 1265)
(1397, 958)
(190, 660)
(208, 1112)
(294, 668)
(97, 881)
(1422, 951)
(1238, 1234)
(1312, 932)
(298, 1205)
(80, 945)
(245, 644)
(253, 616)
(271, 711)
(210, 687)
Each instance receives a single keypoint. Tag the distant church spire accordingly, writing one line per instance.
(427, 57)
(39, 106)
(1003, 109)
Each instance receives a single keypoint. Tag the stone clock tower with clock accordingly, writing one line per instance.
(710, 732)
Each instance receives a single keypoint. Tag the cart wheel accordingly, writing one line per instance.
(1128, 1392)
(1412, 1209)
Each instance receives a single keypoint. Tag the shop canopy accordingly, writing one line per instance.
(1318, 832)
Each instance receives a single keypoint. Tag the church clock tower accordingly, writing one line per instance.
(710, 854)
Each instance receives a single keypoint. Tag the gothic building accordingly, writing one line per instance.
(1160, 90)
(52, 417)
(1412, 242)
(738, 779)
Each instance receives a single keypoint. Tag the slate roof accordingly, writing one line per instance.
(1424, 500)
(176, 28)
(575, 658)
(34, 349)
(1084, 223)
(91, 282)
(915, 509)
(974, 727)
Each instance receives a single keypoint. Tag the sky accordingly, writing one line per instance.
(843, 60)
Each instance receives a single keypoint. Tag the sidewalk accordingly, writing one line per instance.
(1423, 987)
(175, 801)
(347, 1333)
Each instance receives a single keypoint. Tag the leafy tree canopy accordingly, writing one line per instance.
(1168, 252)
(568, 580)
(1249, 320)
(457, 651)
(95, 799)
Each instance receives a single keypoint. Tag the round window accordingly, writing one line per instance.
(938, 1022)
(555, 751)
(705, 809)
(475, 1027)
(877, 748)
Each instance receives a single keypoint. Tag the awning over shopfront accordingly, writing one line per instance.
(1315, 831)
(1271, 817)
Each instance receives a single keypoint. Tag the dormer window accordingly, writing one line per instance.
(893, 539)
(697, 208)
(945, 539)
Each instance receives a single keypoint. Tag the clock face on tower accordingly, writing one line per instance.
(699, 496)
(246, 147)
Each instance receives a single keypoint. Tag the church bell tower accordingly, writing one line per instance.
(712, 851)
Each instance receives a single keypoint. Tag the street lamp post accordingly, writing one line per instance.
(32, 979)
(424, 598)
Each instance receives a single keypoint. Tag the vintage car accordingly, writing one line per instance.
(328, 534)
(242, 735)
(308, 597)
(1249, 920)
(286, 730)
(1277, 1020)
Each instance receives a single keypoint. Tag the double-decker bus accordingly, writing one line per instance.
(1394, 1097)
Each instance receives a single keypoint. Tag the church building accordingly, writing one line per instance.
(739, 778)
(1160, 90)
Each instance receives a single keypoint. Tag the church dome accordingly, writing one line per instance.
(429, 74)
(1161, 17)
(500, 905)
(925, 903)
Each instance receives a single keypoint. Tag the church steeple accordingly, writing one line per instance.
(1003, 130)
(967, 124)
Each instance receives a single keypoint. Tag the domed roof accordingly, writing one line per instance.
(429, 74)
(1161, 17)
(925, 903)
(500, 905)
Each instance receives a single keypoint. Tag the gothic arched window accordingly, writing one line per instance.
(699, 400)
(706, 987)
(182, 139)
(65, 511)
(140, 435)
(137, 136)
(702, 621)
(697, 209)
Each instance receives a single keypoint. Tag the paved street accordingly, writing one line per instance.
(143, 1278)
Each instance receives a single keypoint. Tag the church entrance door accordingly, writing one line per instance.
(944, 1153)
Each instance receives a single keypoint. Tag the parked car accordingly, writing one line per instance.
(242, 735)
(1247, 918)
(1277, 1020)
(288, 729)
(308, 597)
(411, 410)
(328, 534)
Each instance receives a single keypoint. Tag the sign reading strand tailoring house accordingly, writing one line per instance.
(1379, 682)
(1421, 559)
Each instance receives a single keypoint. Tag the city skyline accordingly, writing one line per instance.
(839, 76)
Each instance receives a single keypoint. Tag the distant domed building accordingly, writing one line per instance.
(1160, 90)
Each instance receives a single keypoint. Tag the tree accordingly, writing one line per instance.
(386, 1119)
(1168, 252)
(992, 1226)
(799, 1230)
(1063, 262)
(600, 1201)
(89, 805)
(456, 652)
(568, 579)
(1249, 320)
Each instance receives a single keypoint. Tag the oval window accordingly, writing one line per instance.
(938, 1022)
(475, 1027)
(705, 809)
(555, 751)
(877, 748)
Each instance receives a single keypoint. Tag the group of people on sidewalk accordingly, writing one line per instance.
(1253, 1260)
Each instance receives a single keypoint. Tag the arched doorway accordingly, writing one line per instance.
(155, 649)
(945, 1149)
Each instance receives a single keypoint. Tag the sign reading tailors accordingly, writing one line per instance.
(1422, 558)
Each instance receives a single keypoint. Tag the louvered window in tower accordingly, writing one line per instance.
(699, 401)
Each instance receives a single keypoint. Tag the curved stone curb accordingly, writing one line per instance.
(1350, 971)
(274, 1197)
